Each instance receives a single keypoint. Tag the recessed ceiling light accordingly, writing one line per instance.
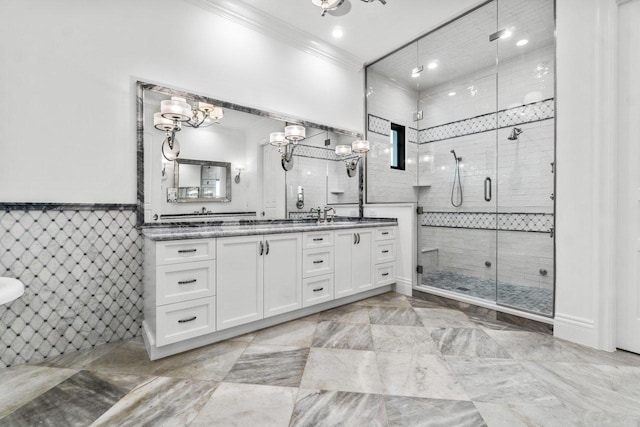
(337, 32)
(415, 73)
(432, 65)
(452, 94)
(522, 42)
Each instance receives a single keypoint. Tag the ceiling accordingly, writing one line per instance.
(462, 47)
(371, 30)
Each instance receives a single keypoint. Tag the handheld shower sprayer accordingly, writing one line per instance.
(456, 177)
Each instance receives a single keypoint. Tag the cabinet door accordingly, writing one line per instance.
(282, 273)
(362, 265)
(344, 244)
(239, 280)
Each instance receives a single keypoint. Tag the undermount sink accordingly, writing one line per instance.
(10, 289)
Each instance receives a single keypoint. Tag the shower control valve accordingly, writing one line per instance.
(487, 263)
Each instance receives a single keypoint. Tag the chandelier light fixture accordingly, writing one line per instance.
(359, 147)
(286, 142)
(338, 7)
(176, 112)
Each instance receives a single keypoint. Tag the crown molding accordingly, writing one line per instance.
(280, 30)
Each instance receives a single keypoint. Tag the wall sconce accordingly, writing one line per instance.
(176, 111)
(164, 172)
(237, 178)
(359, 147)
(287, 142)
(170, 145)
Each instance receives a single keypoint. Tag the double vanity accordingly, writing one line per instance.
(207, 283)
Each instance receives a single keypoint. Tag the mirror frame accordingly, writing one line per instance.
(226, 165)
(141, 87)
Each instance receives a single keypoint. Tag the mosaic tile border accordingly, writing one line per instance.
(320, 153)
(527, 222)
(81, 265)
(382, 126)
(39, 206)
(528, 113)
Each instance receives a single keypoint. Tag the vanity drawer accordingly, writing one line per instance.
(183, 282)
(384, 251)
(316, 262)
(386, 233)
(184, 320)
(385, 274)
(317, 239)
(174, 251)
(317, 289)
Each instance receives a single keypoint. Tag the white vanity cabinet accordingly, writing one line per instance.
(384, 256)
(241, 280)
(258, 277)
(353, 261)
(180, 289)
(199, 291)
(317, 267)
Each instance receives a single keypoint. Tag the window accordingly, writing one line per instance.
(397, 142)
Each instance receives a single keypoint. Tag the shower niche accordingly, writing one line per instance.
(477, 100)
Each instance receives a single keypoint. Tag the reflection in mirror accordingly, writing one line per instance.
(236, 145)
(202, 181)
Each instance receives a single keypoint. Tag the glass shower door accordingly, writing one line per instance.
(456, 180)
(526, 151)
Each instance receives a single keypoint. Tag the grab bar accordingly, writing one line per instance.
(487, 181)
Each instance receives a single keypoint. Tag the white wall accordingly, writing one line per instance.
(586, 61)
(396, 103)
(67, 84)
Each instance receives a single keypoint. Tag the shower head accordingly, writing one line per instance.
(514, 134)
(456, 157)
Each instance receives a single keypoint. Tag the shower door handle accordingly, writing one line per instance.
(487, 189)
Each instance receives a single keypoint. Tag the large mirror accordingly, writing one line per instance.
(220, 162)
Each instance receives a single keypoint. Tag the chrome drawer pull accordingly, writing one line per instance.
(385, 274)
(384, 233)
(191, 319)
(317, 289)
(385, 252)
(186, 251)
(318, 239)
(318, 262)
(187, 282)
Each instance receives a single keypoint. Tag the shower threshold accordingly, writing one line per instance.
(531, 299)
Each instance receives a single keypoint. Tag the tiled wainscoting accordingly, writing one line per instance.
(82, 269)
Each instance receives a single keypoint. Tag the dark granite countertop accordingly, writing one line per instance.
(203, 230)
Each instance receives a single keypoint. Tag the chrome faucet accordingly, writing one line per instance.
(327, 209)
(314, 211)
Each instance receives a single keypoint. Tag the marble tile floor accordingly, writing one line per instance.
(390, 360)
(536, 300)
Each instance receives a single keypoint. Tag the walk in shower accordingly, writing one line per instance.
(474, 101)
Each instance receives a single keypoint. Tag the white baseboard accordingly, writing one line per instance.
(575, 329)
(403, 286)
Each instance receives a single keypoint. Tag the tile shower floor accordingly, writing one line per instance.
(537, 300)
(388, 360)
